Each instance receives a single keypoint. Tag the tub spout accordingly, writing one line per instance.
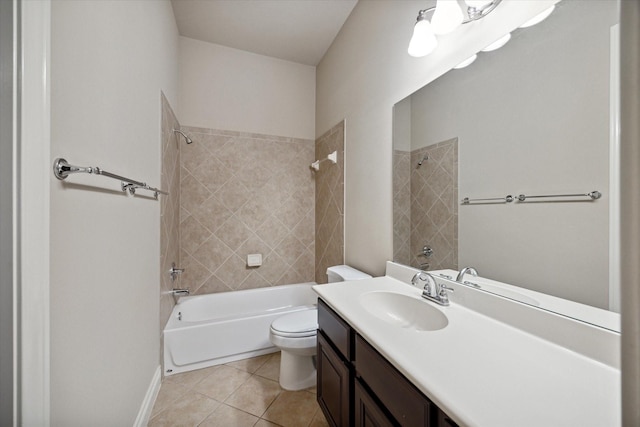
(177, 293)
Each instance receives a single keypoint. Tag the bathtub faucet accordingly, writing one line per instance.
(180, 292)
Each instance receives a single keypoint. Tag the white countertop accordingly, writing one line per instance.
(483, 372)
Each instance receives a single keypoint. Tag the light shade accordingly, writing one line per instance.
(498, 43)
(538, 18)
(466, 62)
(477, 4)
(447, 17)
(424, 40)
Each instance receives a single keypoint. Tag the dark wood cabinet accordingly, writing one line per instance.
(406, 403)
(357, 386)
(334, 384)
(444, 420)
(367, 411)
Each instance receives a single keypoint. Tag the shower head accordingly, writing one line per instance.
(186, 138)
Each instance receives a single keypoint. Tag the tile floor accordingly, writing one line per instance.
(236, 394)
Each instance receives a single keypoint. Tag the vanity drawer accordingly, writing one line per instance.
(337, 330)
(406, 404)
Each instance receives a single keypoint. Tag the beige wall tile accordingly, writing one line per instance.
(329, 217)
(426, 208)
(169, 210)
(251, 194)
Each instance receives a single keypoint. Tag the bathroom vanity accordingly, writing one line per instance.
(381, 394)
(388, 357)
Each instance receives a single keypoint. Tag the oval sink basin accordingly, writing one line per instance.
(403, 311)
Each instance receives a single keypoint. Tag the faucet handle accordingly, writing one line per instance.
(444, 288)
(442, 293)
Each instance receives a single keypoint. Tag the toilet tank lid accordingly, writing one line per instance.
(347, 272)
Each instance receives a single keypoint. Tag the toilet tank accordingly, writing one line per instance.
(340, 273)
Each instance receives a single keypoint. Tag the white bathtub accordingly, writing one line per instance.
(207, 330)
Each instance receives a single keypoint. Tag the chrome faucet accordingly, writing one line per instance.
(174, 272)
(177, 293)
(432, 291)
(472, 271)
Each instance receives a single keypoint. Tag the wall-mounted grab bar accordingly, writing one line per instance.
(62, 169)
(592, 195)
(506, 199)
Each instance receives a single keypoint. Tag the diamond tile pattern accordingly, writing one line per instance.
(329, 218)
(245, 193)
(425, 206)
(236, 394)
(169, 209)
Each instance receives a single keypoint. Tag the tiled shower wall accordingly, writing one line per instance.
(329, 203)
(401, 207)
(433, 206)
(169, 209)
(244, 194)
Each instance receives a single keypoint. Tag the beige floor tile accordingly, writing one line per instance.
(223, 381)
(255, 395)
(292, 409)
(168, 394)
(319, 420)
(265, 423)
(271, 368)
(250, 365)
(191, 378)
(189, 410)
(226, 416)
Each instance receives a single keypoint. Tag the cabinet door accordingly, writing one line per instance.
(444, 420)
(367, 411)
(402, 400)
(333, 384)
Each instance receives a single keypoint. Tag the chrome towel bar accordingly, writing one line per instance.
(62, 169)
(593, 195)
(506, 199)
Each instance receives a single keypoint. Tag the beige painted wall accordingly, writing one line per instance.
(110, 62)
(630, 209)
(364, 73)
(225, 88)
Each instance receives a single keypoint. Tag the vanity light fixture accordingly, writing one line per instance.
(447, 16)
(538, 18)
(466, 62)
(498, 43)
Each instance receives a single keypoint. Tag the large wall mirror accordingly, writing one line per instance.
(535, 117)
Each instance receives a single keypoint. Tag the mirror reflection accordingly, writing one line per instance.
(534, 118)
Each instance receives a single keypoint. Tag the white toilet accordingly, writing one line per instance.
(295, 335)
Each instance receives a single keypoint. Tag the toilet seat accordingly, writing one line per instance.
(296, 325)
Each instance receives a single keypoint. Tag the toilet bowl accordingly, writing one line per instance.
(295, 335)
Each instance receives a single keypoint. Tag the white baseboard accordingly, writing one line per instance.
(149, 399)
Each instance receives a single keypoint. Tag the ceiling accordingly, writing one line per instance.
(294, 30)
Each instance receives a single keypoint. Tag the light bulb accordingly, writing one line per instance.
(498, 43)
(538, 18)
(447, 17)
(478, 4)
(423, 41)
(466, 62)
